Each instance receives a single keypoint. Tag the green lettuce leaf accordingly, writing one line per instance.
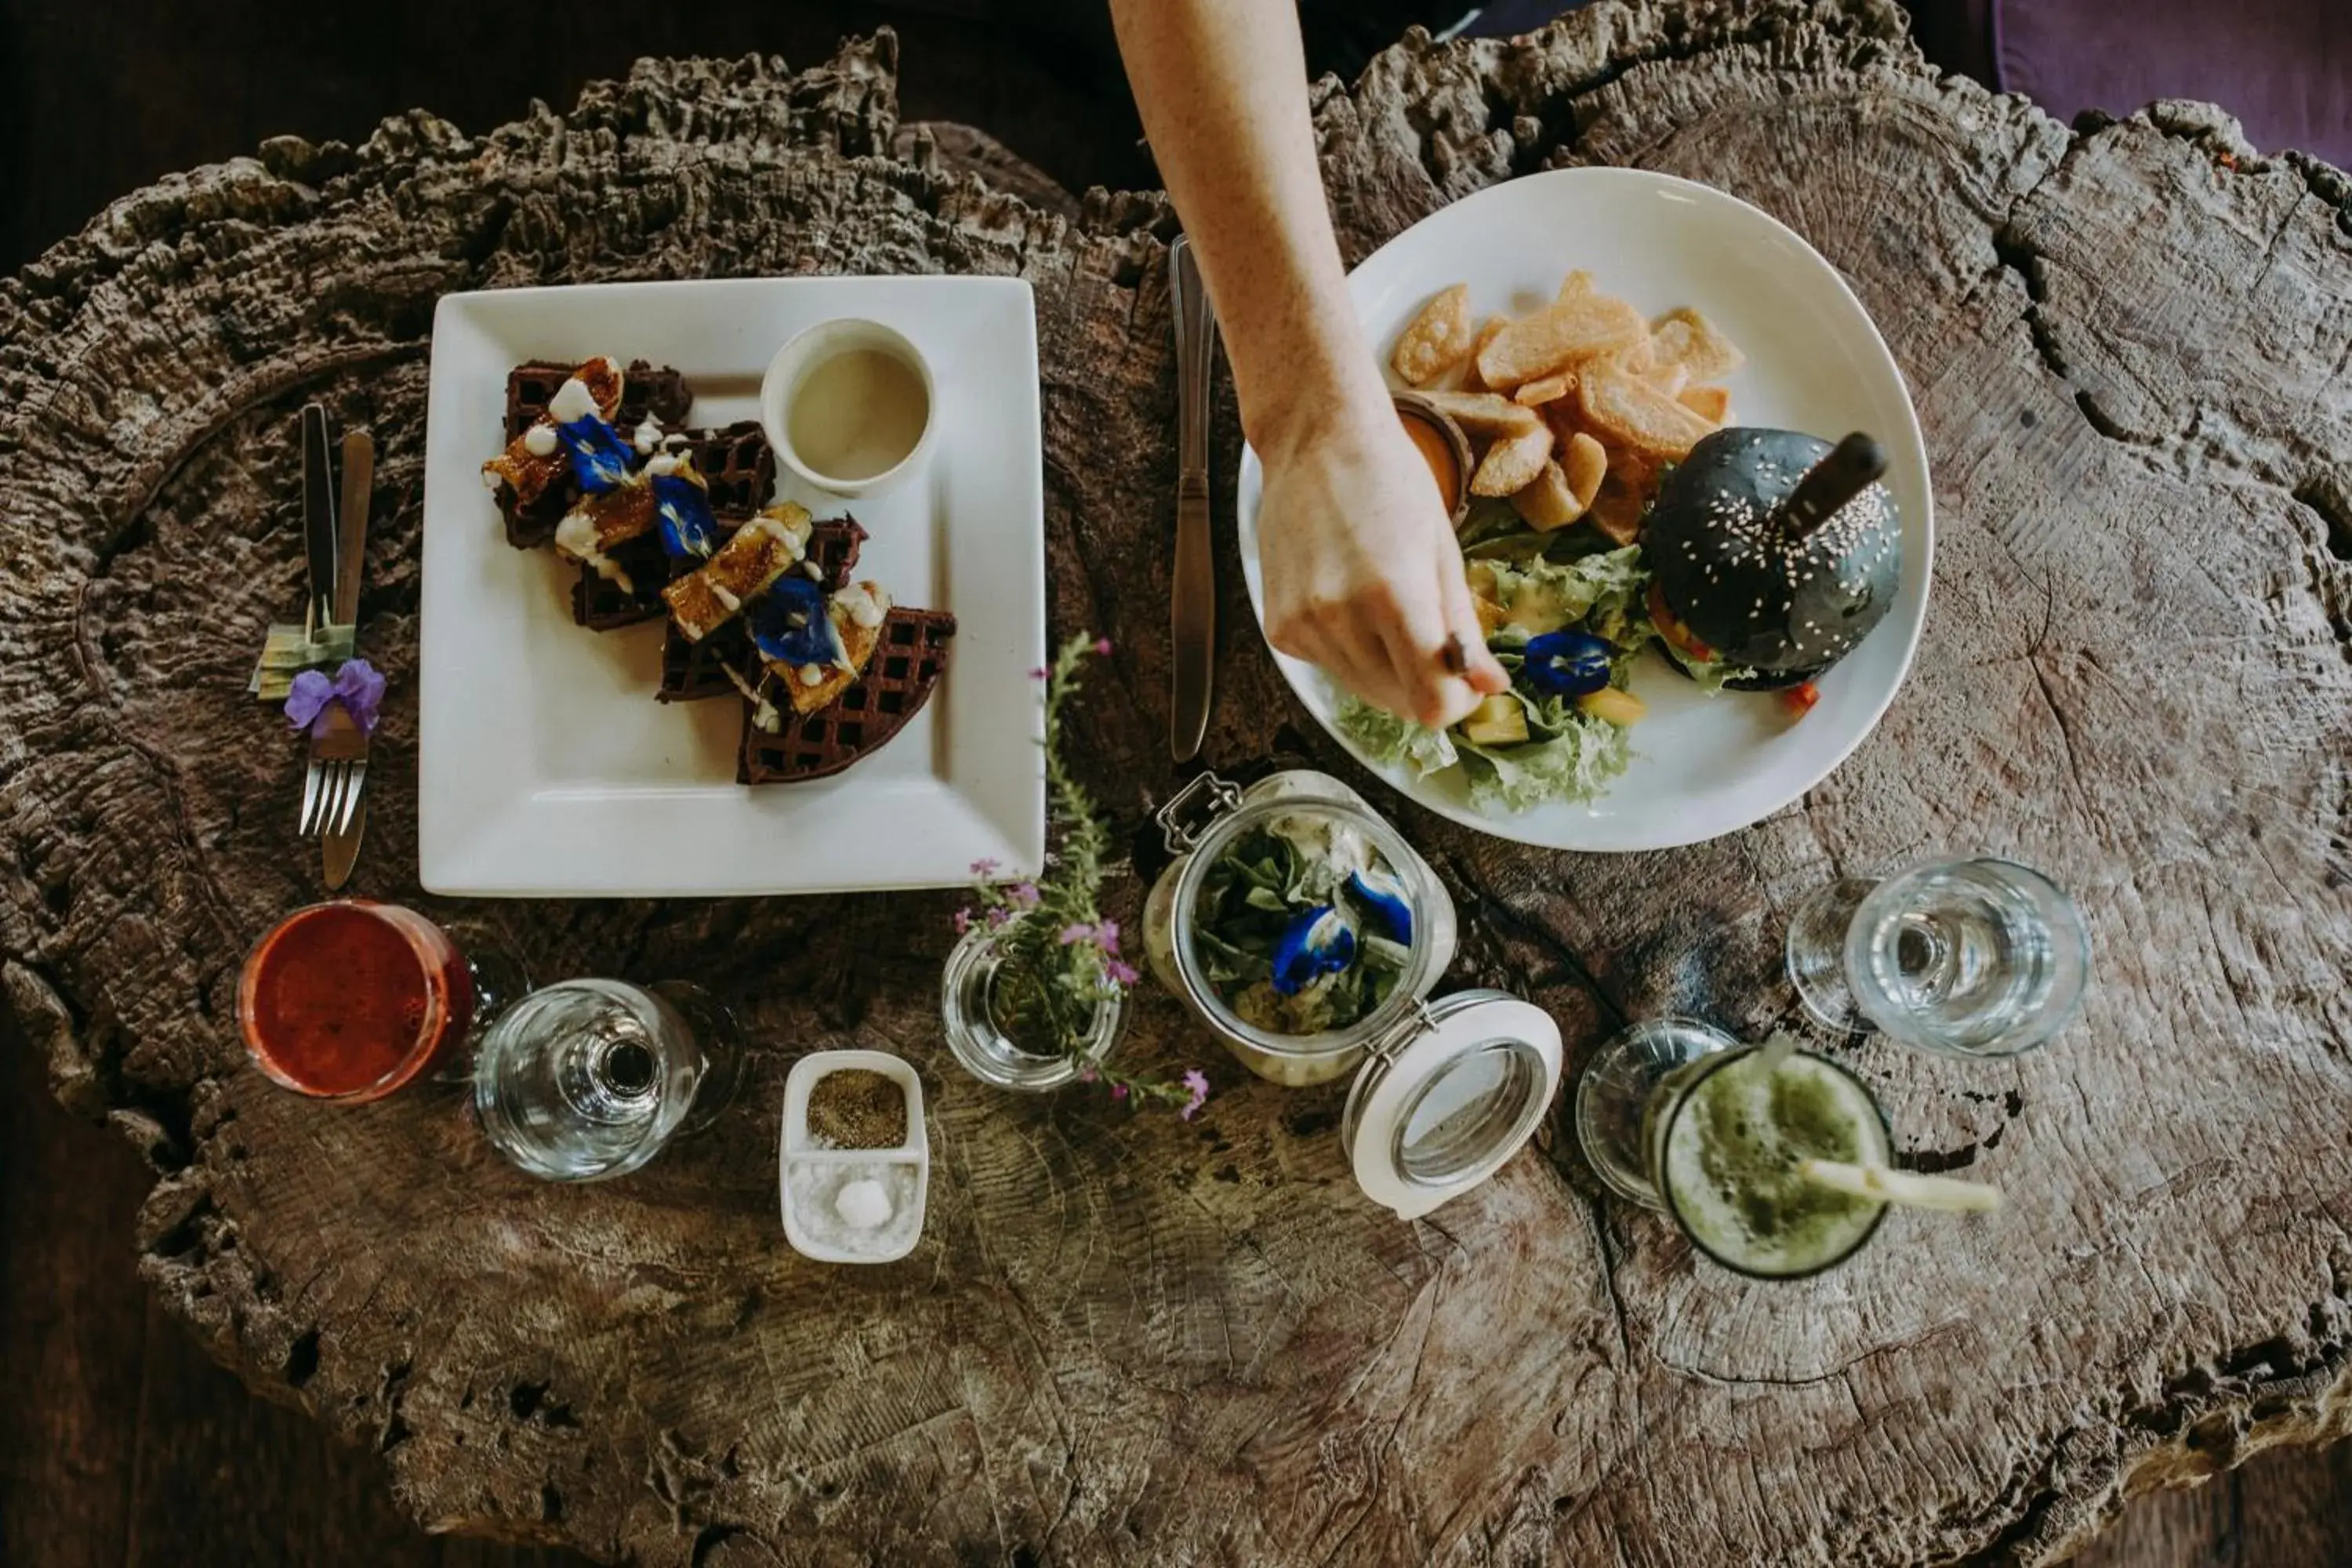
(1577, 763)
(1385, 738)
(1602, 591)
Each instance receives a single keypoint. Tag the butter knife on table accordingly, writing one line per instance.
(1192, 599)
(339, 843)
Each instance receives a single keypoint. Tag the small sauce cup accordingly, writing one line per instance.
(849, 406)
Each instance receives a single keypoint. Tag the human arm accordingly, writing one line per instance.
(1362, 574)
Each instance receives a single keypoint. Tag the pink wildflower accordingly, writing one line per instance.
(1022, 893)
(983, 868)
(1086, 1074)
(1197, 1083)
(1121, 971)
(1119, 1092)
(998, 916)
(1074, 935)
(1040, 673)
(962, 921)
(1102, 647)
(1107, 937)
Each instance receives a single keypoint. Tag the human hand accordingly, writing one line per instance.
(1363, 577)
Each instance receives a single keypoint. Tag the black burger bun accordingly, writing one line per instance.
(1735, 564)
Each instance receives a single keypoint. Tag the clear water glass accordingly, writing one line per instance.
(590, 1079)
(1964, 958)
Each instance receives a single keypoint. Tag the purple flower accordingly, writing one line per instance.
(1022, 893)
(1074, 935)
(1119, 1092)
(1197, 1083)
(1107, 937)
(962, 921)
(307, 699)
(1040, 673)
(999, 916)
(1102, 647)
(356, 686)
(1086, 1074)
(983, 868)
(1123, 972)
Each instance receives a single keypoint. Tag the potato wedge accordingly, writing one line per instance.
(1636, 358)
(1548, 502)
(1670, 380)
(1619, 708)
(1575, 286)
(1559, 335)
(1626, 411)
(1584, 463)
(1487, 413)
(1689, 340)
(1470, 378)
(1712, 403)
(1617, 506)
(1550, 389)
(1512, 463)
(1438, 340)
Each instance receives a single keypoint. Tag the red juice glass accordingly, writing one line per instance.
(351, 1001)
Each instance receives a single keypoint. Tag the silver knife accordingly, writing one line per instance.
(318, 520)
(1193, 602)
(339, 846)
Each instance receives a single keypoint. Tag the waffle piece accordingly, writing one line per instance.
(738, 464)
(912, 657)
(740, 469)
(646, 389)
(694, 670)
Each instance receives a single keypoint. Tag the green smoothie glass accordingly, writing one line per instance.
(1675, 1115)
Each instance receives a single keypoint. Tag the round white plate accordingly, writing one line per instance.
(1702, 765)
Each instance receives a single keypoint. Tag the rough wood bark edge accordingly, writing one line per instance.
(1620, 84)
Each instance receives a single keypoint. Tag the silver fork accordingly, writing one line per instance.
(337, 774)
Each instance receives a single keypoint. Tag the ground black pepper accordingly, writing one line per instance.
(857, 1108)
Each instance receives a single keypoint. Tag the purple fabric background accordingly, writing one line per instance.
(2283, 66)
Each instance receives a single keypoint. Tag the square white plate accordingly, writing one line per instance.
(545, 765)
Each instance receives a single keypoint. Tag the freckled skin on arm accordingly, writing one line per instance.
(1362, 574)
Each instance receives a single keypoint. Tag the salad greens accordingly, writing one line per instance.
(1300, 926)
(1567, 754)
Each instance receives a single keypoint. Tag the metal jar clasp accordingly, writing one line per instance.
(1190, 809)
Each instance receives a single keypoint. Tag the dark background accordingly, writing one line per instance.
(120, 1443)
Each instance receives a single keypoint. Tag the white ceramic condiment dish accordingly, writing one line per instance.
(799, 1150)
(849, 406)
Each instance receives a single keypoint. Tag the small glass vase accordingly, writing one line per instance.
(968, 997)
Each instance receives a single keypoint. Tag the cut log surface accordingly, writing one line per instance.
(1145, 1341)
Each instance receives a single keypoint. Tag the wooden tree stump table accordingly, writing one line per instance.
(1146, 1341)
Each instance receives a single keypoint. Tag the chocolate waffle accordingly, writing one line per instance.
(912, 657)
(644, 389)
(694, 670)
(741, 471)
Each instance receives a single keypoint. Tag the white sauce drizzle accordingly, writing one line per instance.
(576, 536)
(573, 401)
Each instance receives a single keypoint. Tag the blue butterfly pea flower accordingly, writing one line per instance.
(1384, 895)
(1317, 942)
(1567, 663)
(600, 458)
(789, 624)
(689, 526)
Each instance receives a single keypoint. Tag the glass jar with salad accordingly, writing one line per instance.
(1308, 935)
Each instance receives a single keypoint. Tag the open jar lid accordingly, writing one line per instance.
(1462, 1088)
